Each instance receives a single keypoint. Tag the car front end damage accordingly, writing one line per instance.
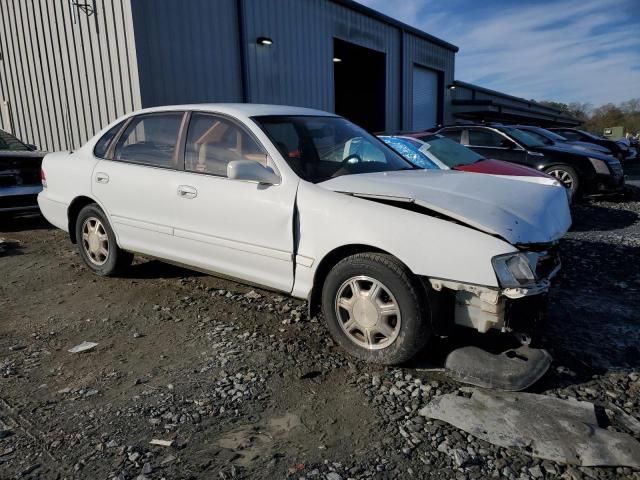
(517, 306)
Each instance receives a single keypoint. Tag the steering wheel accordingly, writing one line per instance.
(344, 165)
(348, 159)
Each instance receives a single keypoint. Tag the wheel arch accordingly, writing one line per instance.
(73, 211)
(328, 262)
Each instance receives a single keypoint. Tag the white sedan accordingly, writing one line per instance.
(304, 202)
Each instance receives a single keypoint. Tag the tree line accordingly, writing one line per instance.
(595, 120)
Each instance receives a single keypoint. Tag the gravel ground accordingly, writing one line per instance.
(244, 385)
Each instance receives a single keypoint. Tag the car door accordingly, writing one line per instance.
(491, 144)
(232, 227)
(136, 183)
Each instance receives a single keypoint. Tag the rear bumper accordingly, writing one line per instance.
(19, 198)
(54, 212)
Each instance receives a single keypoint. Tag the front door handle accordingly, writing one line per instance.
(102, 177)
(187, 191)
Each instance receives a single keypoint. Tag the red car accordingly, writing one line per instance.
(433, 151)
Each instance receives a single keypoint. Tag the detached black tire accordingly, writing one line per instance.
(376, 309)
(97, 243)
(568, 177)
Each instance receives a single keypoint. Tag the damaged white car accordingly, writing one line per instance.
(305, 202)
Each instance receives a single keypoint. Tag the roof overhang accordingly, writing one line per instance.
(492, 110)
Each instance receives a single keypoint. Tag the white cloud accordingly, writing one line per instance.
(574, 50)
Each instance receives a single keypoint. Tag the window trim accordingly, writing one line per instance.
(238, 123)
(177, 159)
(108, 149)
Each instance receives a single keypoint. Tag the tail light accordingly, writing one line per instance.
(43, 178)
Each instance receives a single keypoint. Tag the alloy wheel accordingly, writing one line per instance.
(367, 312)
(95, 241)
(563, 177)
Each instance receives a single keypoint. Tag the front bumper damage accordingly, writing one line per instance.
(519, 310)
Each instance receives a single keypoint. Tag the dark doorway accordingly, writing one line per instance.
(359, 84)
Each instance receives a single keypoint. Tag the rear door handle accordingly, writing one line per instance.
(102, 177)
(187, 191)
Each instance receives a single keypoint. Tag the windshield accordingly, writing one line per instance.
(410, 150)
(320, 148)
(9, 142)
(523, 137)
(447, 151)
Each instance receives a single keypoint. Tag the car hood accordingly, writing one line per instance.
(499, 167)
(519, 212)
(589, 146)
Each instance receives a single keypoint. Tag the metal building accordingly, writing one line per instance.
(68, 67)
(479, 104)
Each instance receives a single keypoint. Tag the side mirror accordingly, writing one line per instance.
(251, 171)
(31, 147)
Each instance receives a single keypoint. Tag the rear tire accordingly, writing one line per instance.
(376, 309)
(97, 243)
(568, 177)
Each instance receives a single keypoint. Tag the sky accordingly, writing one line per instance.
(562, 50)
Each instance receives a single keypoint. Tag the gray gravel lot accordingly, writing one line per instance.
(244, 385)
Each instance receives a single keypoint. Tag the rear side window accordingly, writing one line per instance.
(9, 142)
(214, 141)
(102, 145)
(150, 140)
(484, 138)
(451, 134)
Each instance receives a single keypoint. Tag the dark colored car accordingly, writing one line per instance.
(435, 151)
(619, 150)
(550, 138)
(581, 172)
(19, 175)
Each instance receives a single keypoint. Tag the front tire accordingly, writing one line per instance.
(97, 243)
(568, 177)
(376, 309)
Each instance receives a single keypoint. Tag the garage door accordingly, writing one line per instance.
(425, 98)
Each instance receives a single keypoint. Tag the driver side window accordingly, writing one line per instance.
(214, 141)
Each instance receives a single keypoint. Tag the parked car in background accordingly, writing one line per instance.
(305, 202)
(433, 151)
(19, 175)
(621, 151)
(581, 172)
(550, 138)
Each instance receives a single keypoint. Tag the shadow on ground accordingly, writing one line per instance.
(19, 223)
(151, 268)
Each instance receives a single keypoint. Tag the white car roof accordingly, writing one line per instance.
(239, 109)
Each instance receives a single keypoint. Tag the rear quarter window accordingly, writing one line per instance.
(102, 145)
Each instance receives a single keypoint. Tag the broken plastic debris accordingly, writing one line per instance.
(83, 347)
(565, 431)
(513, 370)
(162, 443)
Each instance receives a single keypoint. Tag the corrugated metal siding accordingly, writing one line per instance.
(417, 51)
(65, 73)
(188, 51)
(298, 69)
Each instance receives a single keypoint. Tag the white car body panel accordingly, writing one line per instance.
(393, 230)
(277, 235)
(519, 212)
